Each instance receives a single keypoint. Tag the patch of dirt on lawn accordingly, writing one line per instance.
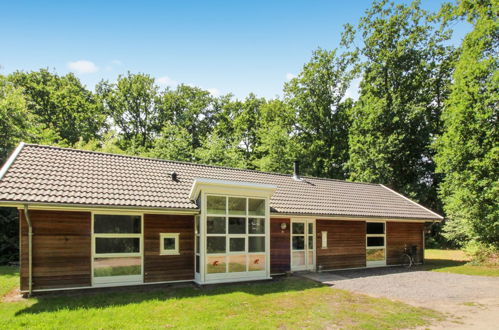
(13, 296)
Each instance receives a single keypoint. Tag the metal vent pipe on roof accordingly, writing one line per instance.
(296, 170)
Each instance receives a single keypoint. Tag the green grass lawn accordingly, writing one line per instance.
(9, 279)
(455, 261)
(287, 303)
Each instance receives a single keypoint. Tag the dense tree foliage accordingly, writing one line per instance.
(468, 150)
(322, 123)
(405, 77)
(421, 103)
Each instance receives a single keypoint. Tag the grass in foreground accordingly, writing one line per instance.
(455, 261)
(9, 279)
(290, 303)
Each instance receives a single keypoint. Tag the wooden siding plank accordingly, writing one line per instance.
(398, 234)
(346, 244)
(162, 268)
(279, 246)
(61, 249)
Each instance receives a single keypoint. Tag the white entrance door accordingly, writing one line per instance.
(302, 245)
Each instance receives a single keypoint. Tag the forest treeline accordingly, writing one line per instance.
(425, 122)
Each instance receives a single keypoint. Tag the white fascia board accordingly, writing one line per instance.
(212, 184)
(413, 202)
(11, 160)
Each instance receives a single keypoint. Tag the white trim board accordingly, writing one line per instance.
(11, 160)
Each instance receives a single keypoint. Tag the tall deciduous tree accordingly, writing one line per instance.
(14, 117)
(132, 104)
(317, 95)
(62, 104)
(405, 73)
(190, 108)
(278, 146)
(468, 150)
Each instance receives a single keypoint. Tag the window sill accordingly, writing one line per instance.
(169, 253)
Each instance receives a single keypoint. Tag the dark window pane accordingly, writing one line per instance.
(117, 245)
(256, 226)
(215, 244)
(298, 227)
(311, 242)
(375, 228)
(310, 228)
(256, 206)
(197, 244)
(197, 264)
(116, 224)
(169, 243)
(215, 204)
(237, 226)
(256, 244)
(237, 206)
(215, 225)
(375, 241)
(237, 244)
(298, 243)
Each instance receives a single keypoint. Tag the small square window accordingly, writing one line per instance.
(169, 244)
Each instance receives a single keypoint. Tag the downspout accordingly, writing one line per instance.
(30, 248)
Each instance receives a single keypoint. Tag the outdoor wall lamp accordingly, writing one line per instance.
(283, 226)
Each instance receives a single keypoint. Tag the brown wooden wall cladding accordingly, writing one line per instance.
(279, 246)
(162, 268)
(398, 234)
(346, 244)
(61, 249)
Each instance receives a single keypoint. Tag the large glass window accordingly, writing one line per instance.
(235, 234)
(375, 243)
(117, 247)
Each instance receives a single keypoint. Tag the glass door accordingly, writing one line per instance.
(302, 245)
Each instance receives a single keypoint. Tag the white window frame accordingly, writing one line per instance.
(162, 250)
(117, 280)
(307, 235)
(377, 262)
(227, 276)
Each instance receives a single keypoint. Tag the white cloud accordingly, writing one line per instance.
(83, 66)
(290, 76)
(166, 81)
(214, 91)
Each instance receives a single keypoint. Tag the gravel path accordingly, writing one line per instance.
(472, 300)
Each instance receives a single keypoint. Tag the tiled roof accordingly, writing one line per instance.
(43, 174)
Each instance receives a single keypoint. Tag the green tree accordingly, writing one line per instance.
(317, 96)
(174, 143)
(246, 122)
(15, 119)
(278, 147)
(132, 104)
(406, 70)
(216, 151)
(190, 108)
(62, 105)
(468, 150)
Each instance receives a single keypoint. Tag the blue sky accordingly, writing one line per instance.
(224, 46)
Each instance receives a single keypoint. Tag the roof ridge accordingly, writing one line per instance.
(188, 163)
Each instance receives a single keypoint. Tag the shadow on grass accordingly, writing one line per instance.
(114, 298)
(435, 264)
(9, 270)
